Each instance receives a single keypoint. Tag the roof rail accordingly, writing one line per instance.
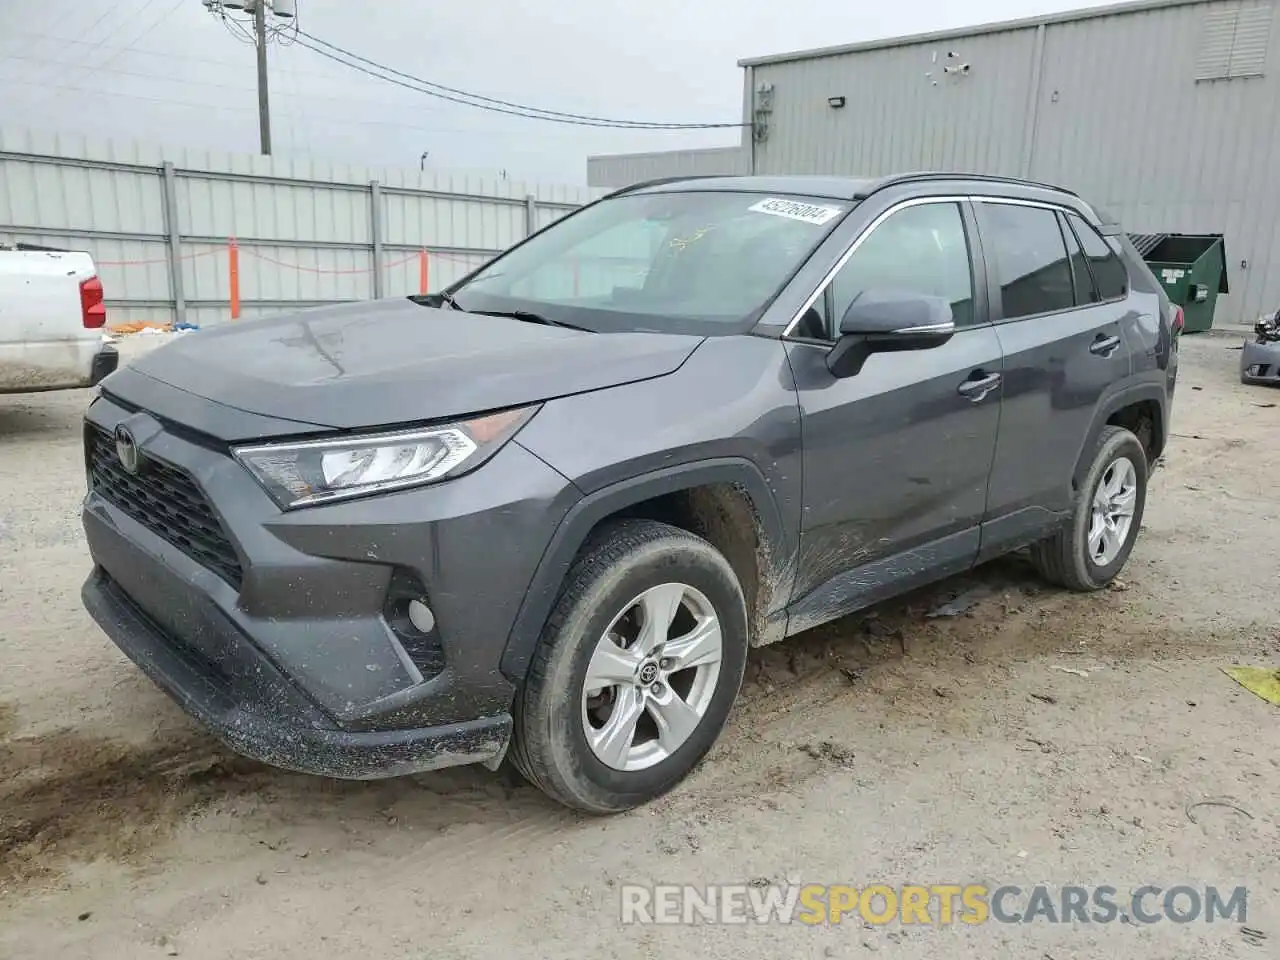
(895, 179)
(659, 181)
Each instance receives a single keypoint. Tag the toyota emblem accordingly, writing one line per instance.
(126, 449)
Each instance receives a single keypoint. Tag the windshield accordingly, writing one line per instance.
(704, 262)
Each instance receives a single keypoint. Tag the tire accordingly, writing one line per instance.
(1066, 558)
(625, 570)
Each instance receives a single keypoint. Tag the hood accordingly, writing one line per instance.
(392, 361)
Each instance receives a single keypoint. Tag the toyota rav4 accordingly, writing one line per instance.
(543, 514)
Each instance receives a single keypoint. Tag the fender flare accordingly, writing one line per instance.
(1107, 407)
(583, 516)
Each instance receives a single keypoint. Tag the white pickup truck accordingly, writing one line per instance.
(51, 321)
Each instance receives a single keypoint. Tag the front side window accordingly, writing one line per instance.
(1030, 259)
(689, 262)
(921, 249)
(1108, 270)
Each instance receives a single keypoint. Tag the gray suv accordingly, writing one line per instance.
(544, 513)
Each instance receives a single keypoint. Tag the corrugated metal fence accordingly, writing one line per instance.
(160, 224)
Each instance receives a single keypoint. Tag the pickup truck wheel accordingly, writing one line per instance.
(636, 670)
(1091, 550)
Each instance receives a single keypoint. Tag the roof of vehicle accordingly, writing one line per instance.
(835, 188)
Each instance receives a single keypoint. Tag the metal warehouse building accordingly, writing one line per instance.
(1165, 112)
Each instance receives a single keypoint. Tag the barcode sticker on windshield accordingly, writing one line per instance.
(793, 210)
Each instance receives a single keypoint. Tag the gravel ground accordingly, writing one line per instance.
(888, 748)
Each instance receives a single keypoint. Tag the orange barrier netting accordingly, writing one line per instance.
(134, 263)
(290, 266)
(304, 269)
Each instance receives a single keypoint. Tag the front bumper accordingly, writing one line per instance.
(1260, 363)
(283, 731)
(287, 649)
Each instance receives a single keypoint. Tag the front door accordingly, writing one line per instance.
(897, 456)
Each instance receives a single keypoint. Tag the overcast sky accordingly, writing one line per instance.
(166, 71)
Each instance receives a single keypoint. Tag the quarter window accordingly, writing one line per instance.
(1030, 259)
(921, 249)
(1086, 293)
(1108, 270)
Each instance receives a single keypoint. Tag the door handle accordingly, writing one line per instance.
(1104, 346)
(978, 386)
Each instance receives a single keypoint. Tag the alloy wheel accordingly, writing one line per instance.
(1111, 514)
(651, 677)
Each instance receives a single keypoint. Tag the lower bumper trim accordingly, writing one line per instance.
(303, 745)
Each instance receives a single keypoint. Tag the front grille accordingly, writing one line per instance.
(166, 501)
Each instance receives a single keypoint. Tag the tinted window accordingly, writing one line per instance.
(1085, 291)
(1108, 270)
(1030, 259)
(921, 249)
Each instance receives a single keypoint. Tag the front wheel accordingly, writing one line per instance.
(1092, 549)
(636, 671)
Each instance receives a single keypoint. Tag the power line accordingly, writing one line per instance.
(116, 29)
(138, 51)
(517, 109)
(240, 108)
(129, 46)
(480, 102)
(240, 88)
(168, 101)
(190, 81)
(94, 26)
(115, 56)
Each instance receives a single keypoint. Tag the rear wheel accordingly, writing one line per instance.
(636, 671)
(1092, 549)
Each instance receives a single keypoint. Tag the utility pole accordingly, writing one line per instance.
(247, 21)
(264, 110)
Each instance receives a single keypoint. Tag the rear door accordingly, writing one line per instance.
(1061, 333)
(896, 457)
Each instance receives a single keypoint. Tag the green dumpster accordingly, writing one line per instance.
(1192, 268)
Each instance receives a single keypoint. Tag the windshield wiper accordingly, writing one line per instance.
(530, 317)
(437, 300)
(444, 298)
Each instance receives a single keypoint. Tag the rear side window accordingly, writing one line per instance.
(1030, 259)
(1108, 270)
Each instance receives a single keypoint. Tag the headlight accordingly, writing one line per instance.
(316, 471)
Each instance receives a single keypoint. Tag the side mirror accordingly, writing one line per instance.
(886, 321)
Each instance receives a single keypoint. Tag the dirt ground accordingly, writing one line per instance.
(890, 748)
